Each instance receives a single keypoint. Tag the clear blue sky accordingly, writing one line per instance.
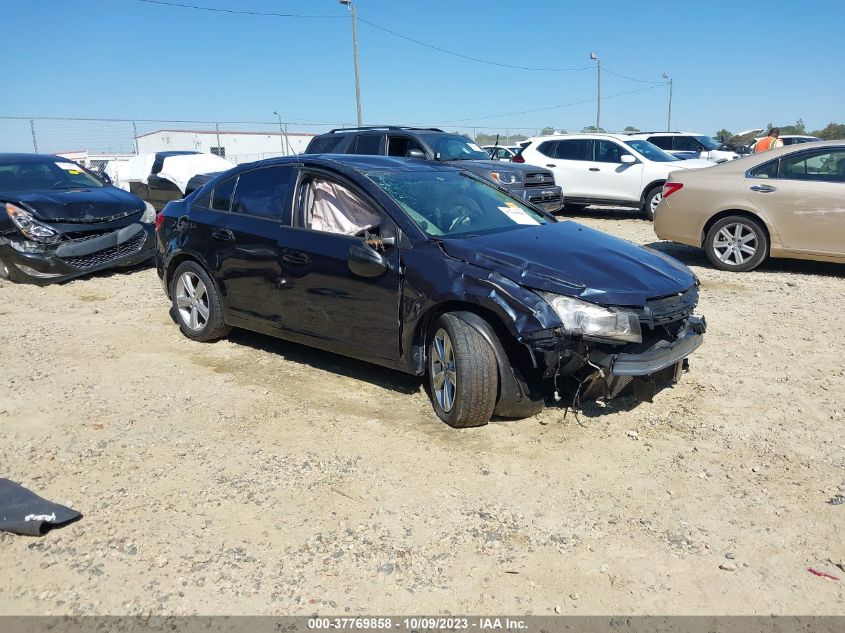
(736, 64)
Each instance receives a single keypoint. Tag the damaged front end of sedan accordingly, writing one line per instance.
(602, 352)
(40, 251)
(590, 317)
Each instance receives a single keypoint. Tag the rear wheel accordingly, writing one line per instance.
(196, 304)
(652, 199)
(462, 373)
(736, 243)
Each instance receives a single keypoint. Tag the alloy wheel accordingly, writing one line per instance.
(192, 301)
(655, 200)
(735, 244)
(444, 378)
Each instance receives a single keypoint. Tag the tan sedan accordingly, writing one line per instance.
(787, 202)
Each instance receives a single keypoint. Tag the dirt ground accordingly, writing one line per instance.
(257, 476)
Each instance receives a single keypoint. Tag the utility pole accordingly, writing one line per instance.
(351, 7)
(595, 58)
(669, 117)
(283, 137)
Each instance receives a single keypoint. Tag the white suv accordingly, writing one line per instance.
(688, 145)
(610, 169)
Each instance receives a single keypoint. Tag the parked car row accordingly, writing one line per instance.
(534, 184)
(437, 262)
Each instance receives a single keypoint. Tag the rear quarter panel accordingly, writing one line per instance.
(706, 193)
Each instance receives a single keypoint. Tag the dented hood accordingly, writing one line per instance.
(571, 259)
(81, 204)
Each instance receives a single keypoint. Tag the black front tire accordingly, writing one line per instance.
(209, 325)
(472, 365)
(746, 233)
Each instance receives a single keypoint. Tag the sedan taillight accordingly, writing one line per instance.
(159, 220)
(671, 187)
(518, 159)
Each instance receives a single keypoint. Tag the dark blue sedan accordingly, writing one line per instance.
(430, 270)
(59, 221)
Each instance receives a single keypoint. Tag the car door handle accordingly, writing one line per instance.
(594, 169)
(550, 165)
(223, 235)
(763, 188)
(296, 258)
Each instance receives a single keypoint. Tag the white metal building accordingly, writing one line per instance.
(236, 147)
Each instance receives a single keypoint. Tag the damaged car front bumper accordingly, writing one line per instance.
(590, 370)
(76, 255)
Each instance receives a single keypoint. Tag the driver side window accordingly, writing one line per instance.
(328, 206)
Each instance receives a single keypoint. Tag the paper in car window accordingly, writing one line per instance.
(74, 169)
(517, 215)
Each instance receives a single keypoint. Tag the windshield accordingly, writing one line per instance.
(448, 204)
(708, 142)
(651, 151)
(455, 147)
(47, 174)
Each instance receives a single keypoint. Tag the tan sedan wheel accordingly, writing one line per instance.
(736, 243)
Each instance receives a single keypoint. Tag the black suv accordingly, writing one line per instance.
(534, 184)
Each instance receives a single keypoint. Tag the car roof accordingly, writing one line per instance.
(751, 161)
(577, 136)
(23, 157)
(357, 162)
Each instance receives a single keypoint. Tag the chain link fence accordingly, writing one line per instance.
(95, 141)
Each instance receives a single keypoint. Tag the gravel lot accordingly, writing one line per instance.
(257, 476)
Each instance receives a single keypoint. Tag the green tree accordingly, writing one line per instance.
(631, 128)
(592, 128)
(723, 134)
(833, 131)
(796, 128)
(547, 131)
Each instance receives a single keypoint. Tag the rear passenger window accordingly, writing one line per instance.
(575, 149)
(324, 144)
(262, 192)
(367, 144)
(203, 201)
(221, 199)
(686, 144)
(663, 142)
(547, 148)
(766, 170)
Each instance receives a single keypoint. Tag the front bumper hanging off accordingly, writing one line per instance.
(643, 373)
(596, 371)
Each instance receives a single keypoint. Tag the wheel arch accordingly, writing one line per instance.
(176, 260)
(741, 213)
(654, 183)
(517, 397)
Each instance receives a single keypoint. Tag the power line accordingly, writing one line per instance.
(469, 57)
(642, 81)
(395, 34)
(237, 11)
(554, 107)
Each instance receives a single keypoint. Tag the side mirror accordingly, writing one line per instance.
(415, 153)
(366, 262)
(627, 159)
(105, 177)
